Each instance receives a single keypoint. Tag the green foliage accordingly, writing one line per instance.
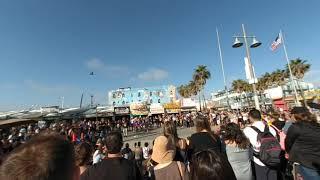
(199, 79)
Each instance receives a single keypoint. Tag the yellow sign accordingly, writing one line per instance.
(172, 105)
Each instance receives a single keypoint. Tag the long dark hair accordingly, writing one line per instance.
(170, 131)
(210, 164)
(233, 133)
(202, 123)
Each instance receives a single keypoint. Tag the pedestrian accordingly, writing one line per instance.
(83, 153)
(98, 155)
(166, 168)
(127, 152)
(170, 131)
(262, 172)
(211, 165)
(146, 150)
(238, 152)
(204, 138)
(303, 144)
(47, 156)
(138, 155)
(114, 166)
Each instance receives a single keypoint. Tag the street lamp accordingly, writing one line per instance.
(255, 43)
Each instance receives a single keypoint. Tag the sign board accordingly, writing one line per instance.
(156, 109)
(139, 109)
(172, 111)
(121, 110)
(275, 93)
(187, 102)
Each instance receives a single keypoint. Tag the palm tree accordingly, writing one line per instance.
(241, 86)
(299, 68)
(183, 91)
(200, 76)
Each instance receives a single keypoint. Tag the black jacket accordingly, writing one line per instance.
(303, 144)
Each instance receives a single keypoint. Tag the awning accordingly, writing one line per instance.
(13, 122)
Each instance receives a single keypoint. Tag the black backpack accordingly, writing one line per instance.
(270, 148)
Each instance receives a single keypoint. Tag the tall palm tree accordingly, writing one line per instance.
(299, 68)
(200, 76)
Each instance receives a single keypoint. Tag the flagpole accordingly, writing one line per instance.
(222, 67)
(290, 71)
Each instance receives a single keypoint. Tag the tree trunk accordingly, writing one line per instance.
(199, 100)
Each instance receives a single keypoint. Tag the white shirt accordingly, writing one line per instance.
(97, 157)
(252, 136)
(145, 151)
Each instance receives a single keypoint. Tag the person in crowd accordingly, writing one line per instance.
(45, 157)
(98, 155)
(138, 155)
(170, 131)
(303, 144)
(262, 172)
(204, 138)
(238, 151)
(114, 167)
(146, 151)
(83, 153)
(211, 165)
(166, 168)
(127, 152)
(276, 121)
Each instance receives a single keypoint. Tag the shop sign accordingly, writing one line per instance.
(121, 110)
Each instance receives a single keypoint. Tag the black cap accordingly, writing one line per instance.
(298, 110)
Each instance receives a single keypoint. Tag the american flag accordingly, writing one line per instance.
(276, 43)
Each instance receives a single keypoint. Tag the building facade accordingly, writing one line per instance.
(269, 96)
(148, 95)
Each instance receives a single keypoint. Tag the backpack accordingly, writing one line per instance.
(270, 148)
(281, 136)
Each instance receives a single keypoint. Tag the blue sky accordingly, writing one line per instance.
(48, 48)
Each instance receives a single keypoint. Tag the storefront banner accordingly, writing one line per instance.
(121, 110)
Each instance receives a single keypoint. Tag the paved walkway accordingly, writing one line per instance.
(151, 135)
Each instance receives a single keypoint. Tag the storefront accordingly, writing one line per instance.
(173, 107)
(121, 112)
(188, 105)
(156, 109)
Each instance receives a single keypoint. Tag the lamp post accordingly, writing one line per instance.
(254, 44)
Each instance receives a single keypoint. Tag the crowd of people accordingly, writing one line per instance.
(243, 145)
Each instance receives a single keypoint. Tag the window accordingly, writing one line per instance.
(114, 95)
(123, 102)
(150, 101)
(123, 95)
(139, 94)
(158, 100)
(131, 95)
(114, 103)
(150, 93)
